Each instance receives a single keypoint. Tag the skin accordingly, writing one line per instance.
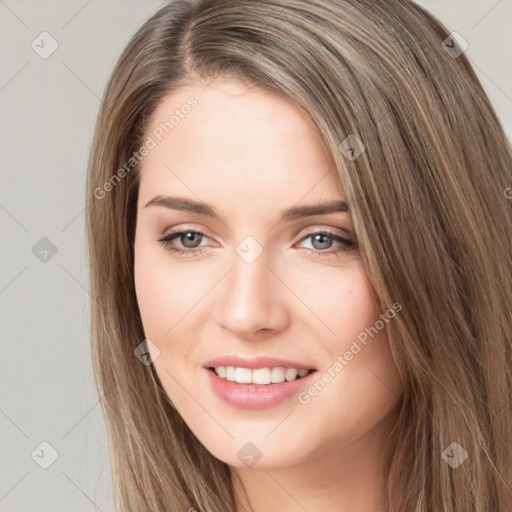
(250, 155)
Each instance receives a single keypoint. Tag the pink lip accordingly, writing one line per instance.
(255, 396)
(256, 362)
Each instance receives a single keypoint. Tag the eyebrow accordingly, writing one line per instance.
(293, 213)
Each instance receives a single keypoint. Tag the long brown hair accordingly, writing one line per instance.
(432, 222)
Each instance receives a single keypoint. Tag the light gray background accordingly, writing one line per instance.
(48, 109)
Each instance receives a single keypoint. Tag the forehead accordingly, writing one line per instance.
(229, 139)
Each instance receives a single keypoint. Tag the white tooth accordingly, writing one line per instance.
(243, 375)
(277, 375)
(261, 376)
(290, 374)
(230, 373)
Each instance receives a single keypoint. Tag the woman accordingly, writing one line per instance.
(300, 254)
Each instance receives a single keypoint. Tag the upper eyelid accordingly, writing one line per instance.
(345, 231)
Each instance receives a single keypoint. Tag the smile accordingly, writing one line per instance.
(262, 376)
(249, 394)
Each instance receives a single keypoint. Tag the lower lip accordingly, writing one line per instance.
(256, 396)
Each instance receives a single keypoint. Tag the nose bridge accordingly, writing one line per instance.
(251, 299)
(250, 279)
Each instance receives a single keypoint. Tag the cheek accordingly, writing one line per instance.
(164, 296)
(156, 296)
(347, 304)
(361, 372)
(360, 327)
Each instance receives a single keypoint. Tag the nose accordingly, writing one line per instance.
(251, 300)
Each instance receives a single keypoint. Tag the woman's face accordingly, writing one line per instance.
(254, 282)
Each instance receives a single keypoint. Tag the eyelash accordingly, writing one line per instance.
(345, 243)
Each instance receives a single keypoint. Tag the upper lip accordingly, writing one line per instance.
(256, 362)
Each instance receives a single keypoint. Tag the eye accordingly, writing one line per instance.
(188, 238)
(322, 240)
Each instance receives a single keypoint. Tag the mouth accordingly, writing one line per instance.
(260, 376)
(257, 388)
